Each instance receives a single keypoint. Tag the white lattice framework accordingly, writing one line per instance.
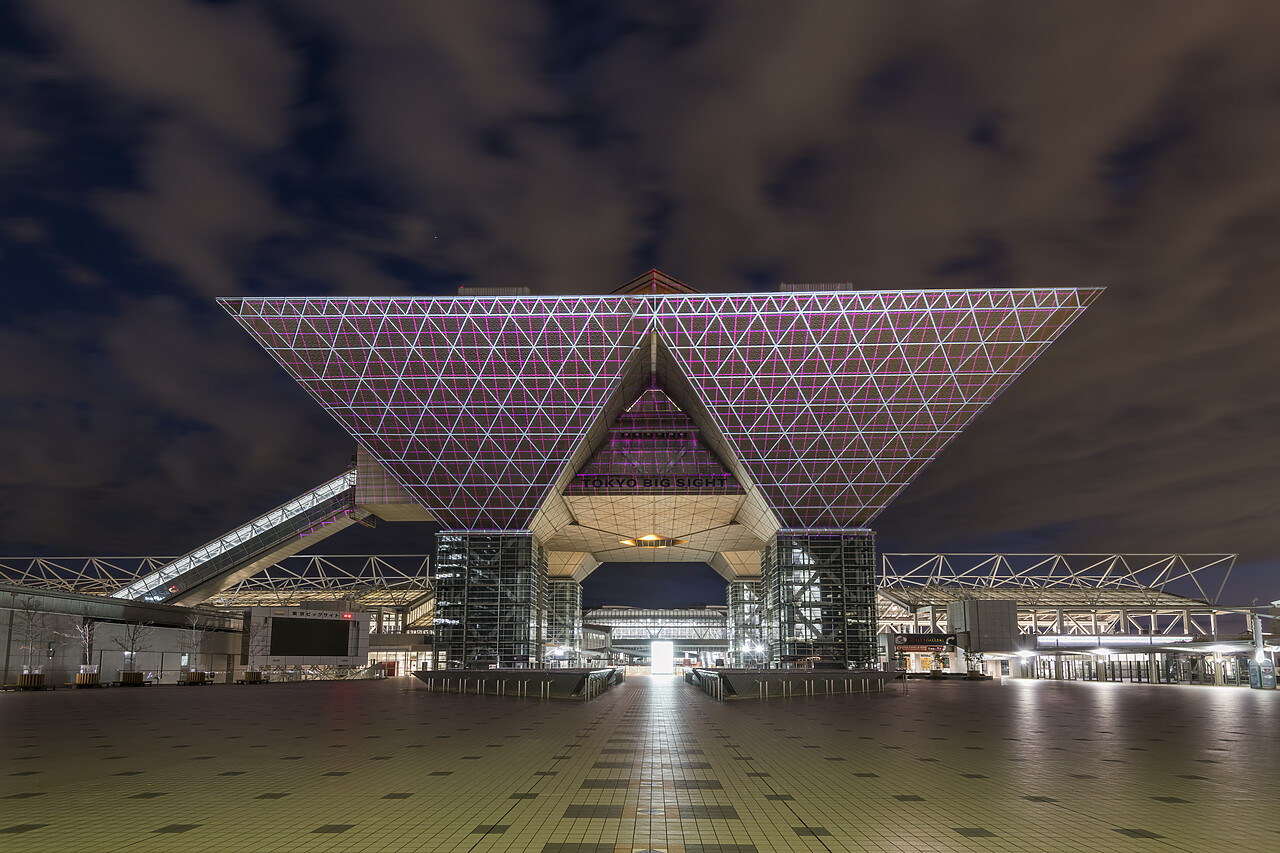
(88, 575)
(832, 401)
(935, 578)
(388, 580)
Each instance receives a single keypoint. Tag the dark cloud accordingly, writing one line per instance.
(154, 158)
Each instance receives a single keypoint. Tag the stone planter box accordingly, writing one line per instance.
(31, 680)
(133, 679)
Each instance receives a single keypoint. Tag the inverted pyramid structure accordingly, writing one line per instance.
(831, 400)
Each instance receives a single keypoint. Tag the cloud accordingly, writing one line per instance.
(220, 68)
(322, 148)
(197, 213)
(147, 429)
(209, 92)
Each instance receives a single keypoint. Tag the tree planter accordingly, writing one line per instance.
(253, 677)
(88, 676)
(193, 677)
(31, 680)
(133, 679)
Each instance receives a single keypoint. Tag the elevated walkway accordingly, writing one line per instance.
(208, 570)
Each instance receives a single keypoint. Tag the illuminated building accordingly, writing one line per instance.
(760, 433)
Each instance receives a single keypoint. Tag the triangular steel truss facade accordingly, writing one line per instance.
(1097, 578)
(832, 401)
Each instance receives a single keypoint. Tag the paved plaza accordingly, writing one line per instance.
(653, 764)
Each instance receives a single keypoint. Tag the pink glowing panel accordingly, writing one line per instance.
(833, 402)
(474, 405)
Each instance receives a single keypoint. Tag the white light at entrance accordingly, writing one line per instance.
(662, 654)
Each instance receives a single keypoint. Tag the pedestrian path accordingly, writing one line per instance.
(652, 765)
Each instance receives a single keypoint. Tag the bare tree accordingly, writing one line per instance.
(134, 638)
(33, 631)
(191, 641)
(83, 631)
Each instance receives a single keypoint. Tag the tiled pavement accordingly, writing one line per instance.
(387, 766)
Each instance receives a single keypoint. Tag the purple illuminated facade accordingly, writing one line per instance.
(821, 404)
(833, 402)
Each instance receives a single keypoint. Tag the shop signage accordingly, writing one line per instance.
(924, 642)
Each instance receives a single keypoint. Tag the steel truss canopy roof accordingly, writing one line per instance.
(831, 401)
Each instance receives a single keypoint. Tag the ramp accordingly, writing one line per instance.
(263, 542)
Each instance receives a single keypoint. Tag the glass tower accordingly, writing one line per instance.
(490, 591)
(820, 597)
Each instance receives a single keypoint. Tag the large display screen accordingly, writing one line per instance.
(310, 637)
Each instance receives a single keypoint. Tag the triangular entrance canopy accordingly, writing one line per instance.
(830, 401)
(654, 448)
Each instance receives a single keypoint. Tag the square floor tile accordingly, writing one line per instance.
(810, 830)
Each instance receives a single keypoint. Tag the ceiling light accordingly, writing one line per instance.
(651, 540)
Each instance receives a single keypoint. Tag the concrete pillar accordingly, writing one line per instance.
(1059, 625)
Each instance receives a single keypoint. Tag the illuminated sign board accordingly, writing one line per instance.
(924, 642)
(626, 481)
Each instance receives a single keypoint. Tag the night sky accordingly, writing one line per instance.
(155, 156)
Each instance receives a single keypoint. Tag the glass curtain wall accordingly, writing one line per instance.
(564, 621)
(490, 593)
(745, 625)
(820, 598)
